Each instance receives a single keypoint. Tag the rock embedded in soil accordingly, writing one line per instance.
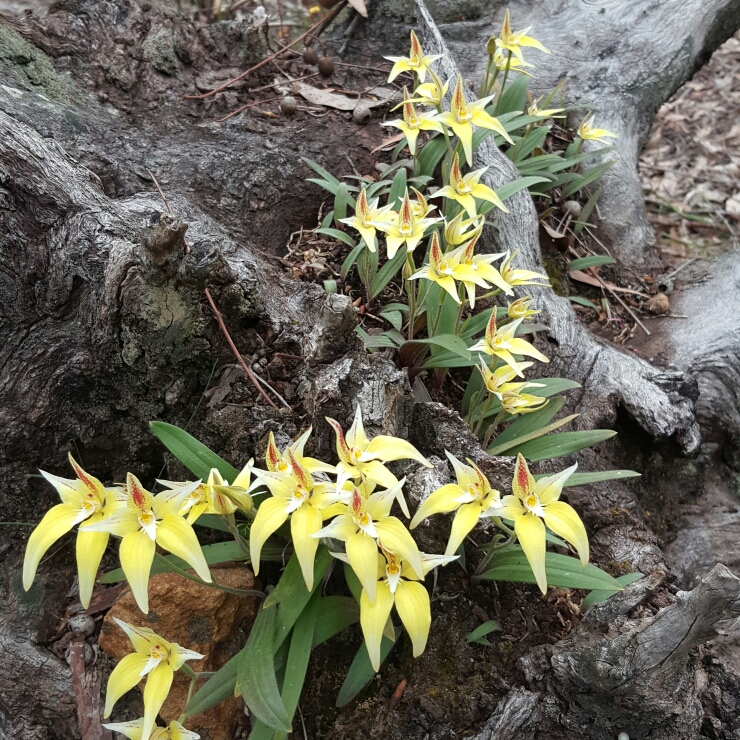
(199, 618)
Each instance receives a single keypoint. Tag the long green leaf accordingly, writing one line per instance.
(386, 273)
(594, 173)
(321, 171)
(499, 448)
(342, 199)
(584, 479)
(194, 455)
(528, 423)
(583, 302)
(514, 97)
(361, 671)
(594, 261)
(597, 596)
(559, 445)
(431, 154)
(562, 571)
(337, 613)
(586, 211)
(340, 235)
(506, 191)
(534, 138)
(478, 635)
(218, 688)
(398, 188)
(256, 673)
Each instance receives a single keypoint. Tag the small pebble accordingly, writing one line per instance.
(81, 624)
(572, 208)
(623, 736)
(288, 105)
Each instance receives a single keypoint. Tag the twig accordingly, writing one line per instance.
(624, 305)
(679, 268)
(248, 105)
(235, 351)
(167, 204)
(319, 25)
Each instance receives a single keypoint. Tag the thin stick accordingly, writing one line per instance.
(624, 305)
(327, 19)
(235, 351)
(167, 204)
(248, 105)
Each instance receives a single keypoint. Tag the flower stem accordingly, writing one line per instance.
(503, 84)
(411, 293)
(483, 412)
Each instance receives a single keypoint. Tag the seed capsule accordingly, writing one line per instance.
(326, 66)
(310, 56)
(288, 105)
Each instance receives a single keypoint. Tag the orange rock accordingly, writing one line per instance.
(199, 618)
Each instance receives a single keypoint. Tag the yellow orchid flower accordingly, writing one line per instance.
(398, 586)
(215, 496)
(431, 93)
(279, 462)
(465, 189)
(588, 133)
(463, 116)
(155, 658)
(134, 730)
(458, 230)
(471, 497)
(361, 458)
(413, 122)
(501, 61)
(445, 269)
(84, 499)
(481, 266)
(520, 308)
(297, 496)
(535, 502)
(521, 277)
(416, 61)
(502, 343)
(366, 524)
(419, 207)
(533, 110)
(405, 228)
(513, 401)
(148, 521)
(513, 41)
(366, 219)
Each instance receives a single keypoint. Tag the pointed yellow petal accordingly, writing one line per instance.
(392, 448)
(523, 483)
(412, 604)
(466, 518)
(178, 732)
(142, 638)
(56, 522)
(123, 678)
(379, 474)
(131, 730)
(158, 684)
(549, 489)
(531, 534)
(136, 554)
(356, 436)
(178, 537)
(565, 522)
(394, 536)
(362, 552)
(444, 499)
(90, 549)
(304, 522)
(270, 516)
(373, 616)
(521, 347)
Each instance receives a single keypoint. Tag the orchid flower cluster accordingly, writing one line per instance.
(347, 506)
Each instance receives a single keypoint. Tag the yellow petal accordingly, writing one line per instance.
(373, 616)
(158, 684)
(379, 474)
(270, 516)
(123, 678)
(131, 730)
(392, 448)
(56, 522)
(412, 604)
(356, 436)
(136, 554)
(565, 522)
(304, 522)
(444, 499)
(531, 534)
(523, 483)
(362, 553)
(142, 638)
(394, 536)
(549, 489)
(175, 535)
(466, 518)
(521, 347)
(178, 732)
(90, 549)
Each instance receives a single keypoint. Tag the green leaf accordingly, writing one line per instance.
(390, 338)
(500, 448)
(212, 521)
(586, 211)
(594, 261)
(323, 184)
(387, 272)
(194, 455)
(221, 552)
(256, 673)
(514, 97)
(294, 595)
(583, 302)
(398, 188)
(353, 582)
(597, 596)
(336, 234)
(298, 657)
(337, 613)
(562, 571)
(394, 318)
(478, 635)
(558, 445)
(218, 688)
(321, 171)
(584, 479)
(533, 139)
(528, 423)
(431, 154)
(361, 671)
(594, 173)
(342, 199)
(330, 286)
(506, 191)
